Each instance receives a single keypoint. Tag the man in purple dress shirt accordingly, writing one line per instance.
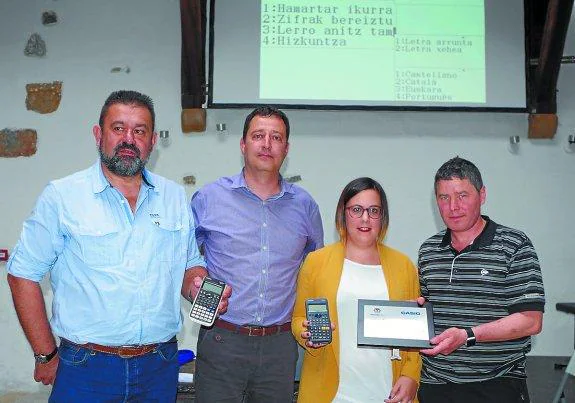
(255, 230)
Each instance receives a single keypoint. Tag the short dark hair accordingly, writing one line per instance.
(266, 111)
(461, 169)
(349, 191)
(127, 97)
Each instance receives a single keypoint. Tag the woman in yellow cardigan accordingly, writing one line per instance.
(358, 266)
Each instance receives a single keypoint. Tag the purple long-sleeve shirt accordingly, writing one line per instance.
(256, 246)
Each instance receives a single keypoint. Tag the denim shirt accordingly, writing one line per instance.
(116, 274)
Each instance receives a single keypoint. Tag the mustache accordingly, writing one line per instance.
(126, 146)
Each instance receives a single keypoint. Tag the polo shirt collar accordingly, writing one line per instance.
(100, 182)
(485, 238)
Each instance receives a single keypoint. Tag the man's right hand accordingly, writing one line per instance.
(29, 305)
(46, 373)
(446, 342)
(223, 306)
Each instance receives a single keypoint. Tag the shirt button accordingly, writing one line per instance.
(259, 319)
(264, 247)
(264, 271)
(261, 295)
(264, 225)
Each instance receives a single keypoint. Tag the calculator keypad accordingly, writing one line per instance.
(205, 306)
(320, 328)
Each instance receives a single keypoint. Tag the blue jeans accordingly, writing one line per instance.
(88, 376)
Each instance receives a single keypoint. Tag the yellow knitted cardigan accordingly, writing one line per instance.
(319, 277)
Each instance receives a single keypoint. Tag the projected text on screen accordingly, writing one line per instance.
(370, 50)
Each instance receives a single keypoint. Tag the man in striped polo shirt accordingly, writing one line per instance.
(485, 284)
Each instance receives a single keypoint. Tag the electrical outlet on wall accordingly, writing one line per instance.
(3, 255)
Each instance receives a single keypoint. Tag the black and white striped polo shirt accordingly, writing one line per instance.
(496, 276)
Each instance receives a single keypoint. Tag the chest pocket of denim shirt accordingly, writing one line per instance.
(168, 240)
(101, 244)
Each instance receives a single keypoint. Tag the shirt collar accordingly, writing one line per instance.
(239, 181)
(485, 238)
(100, 182)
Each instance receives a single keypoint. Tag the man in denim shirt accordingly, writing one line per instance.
(116, 240)
(255, 229)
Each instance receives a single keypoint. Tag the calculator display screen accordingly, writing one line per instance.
(212, 288)
(317, 308)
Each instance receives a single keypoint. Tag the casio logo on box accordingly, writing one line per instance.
(410, 313)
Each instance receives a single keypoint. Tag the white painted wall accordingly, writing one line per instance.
(532, 190)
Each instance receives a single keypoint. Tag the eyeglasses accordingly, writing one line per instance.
(356, 211)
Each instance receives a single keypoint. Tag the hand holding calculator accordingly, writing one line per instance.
(319, 324)
(205, 306)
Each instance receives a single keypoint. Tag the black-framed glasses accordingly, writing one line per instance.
(356, 211)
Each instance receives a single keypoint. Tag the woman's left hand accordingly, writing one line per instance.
(403, 391)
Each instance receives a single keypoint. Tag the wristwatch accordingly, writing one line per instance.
(471, 340)
(45, 358)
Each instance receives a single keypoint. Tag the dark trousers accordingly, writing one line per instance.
(233, 367)
(498, 390)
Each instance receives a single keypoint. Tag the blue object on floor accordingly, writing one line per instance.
(185, 356)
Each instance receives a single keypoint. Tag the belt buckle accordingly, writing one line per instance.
(256, 331)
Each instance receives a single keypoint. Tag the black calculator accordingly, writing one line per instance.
(317, 314)
(205, 305)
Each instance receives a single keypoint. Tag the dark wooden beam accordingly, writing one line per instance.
(193, 74)
(544, 99)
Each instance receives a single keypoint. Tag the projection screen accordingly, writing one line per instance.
(368, 54)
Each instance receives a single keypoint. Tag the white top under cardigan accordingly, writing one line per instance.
(365, 373)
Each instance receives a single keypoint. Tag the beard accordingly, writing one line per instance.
(123, 165)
